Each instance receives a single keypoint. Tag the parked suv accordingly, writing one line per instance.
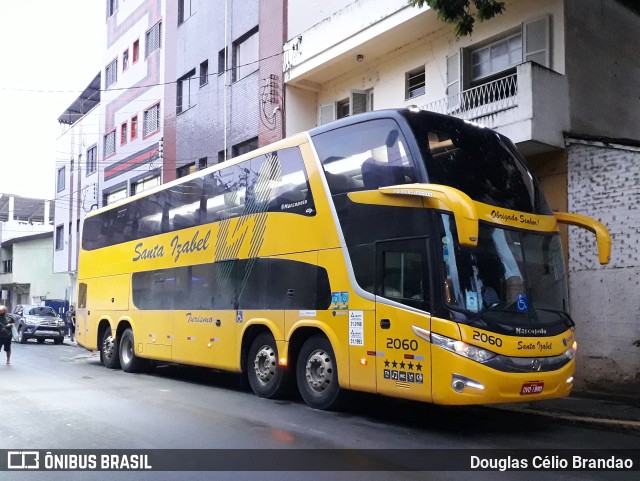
(38, 322)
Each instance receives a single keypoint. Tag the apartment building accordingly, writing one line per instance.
(227, 63)
(133, 98)
(559, 77)
(77, 180)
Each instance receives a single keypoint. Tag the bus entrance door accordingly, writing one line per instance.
(403, 356)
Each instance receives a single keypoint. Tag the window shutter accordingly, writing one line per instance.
(535, 41)
(358, 102)
(453, 81)
(326, 113)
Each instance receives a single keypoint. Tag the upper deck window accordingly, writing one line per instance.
(365, 156)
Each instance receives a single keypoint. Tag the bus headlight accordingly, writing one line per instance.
(571, 352)
(474, 353)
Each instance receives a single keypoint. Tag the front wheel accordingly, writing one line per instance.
(266, 377)
(22, 338)
(317, 374)
(109, 350)
(128, 359)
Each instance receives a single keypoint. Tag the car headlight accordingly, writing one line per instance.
(469, 351)
(60, 323)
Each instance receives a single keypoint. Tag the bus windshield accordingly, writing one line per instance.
(512, 277)
(478, 161)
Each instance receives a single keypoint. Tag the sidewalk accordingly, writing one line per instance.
(586, 408)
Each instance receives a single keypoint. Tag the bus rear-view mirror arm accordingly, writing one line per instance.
(442, 196)
(603, 238)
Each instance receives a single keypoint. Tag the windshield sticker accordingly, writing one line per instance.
(339, 300)
(521, 303)
(472, 301)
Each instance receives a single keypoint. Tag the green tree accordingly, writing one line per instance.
(460, 12)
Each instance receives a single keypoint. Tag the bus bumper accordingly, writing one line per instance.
(463, 381)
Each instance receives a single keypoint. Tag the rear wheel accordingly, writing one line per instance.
(266, 377)
(128, 359)
(41, 340)
(317, 374)
(109, 350)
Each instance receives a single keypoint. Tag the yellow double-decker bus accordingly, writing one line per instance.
(398, 252)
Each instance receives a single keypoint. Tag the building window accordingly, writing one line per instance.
(496, 57)
(144, 184)
(112, 6)
(245, 55)
(135, 54)
(151, 121)
(202, 163)
(342, 108)
(134, 127)
(110, 143)
(415, 83)
(115, 196)
(111, 73)
(61, 179)
(7, 266)
(244, 147)
(60, 237)
(221, 156)
(204, 73)
(186, 170)
(153, 39)
(185, 94)
(125, 60)
(123, 134)
(221, 61)
(184, 10)
(92, 159)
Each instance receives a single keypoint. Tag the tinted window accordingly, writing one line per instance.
(256, 283)
(276, 182)
(365, 156)
(477, 161)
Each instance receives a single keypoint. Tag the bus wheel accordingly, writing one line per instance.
(109, 350)
(266, 377)
(128, 359)
(317, 374)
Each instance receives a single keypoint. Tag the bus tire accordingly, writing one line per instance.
(128, 359)
(266, 377)
(109, 350)
(317, 374)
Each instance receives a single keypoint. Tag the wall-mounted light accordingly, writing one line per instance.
(359, 57)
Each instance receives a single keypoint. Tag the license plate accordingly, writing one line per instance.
(532, 388)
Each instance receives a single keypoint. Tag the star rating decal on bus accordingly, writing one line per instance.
(402, 375)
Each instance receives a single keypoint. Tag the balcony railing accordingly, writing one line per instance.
(485, 99)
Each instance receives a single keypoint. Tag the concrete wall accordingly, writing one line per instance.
(602, 65)
(604, 182)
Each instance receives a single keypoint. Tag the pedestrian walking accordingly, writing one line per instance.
(6, 325)
(71, 323)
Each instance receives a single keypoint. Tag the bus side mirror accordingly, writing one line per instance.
(438, 196)
(603, 238)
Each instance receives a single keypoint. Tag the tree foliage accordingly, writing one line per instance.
(462, 13)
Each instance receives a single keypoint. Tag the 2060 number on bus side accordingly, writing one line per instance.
(406, 344)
